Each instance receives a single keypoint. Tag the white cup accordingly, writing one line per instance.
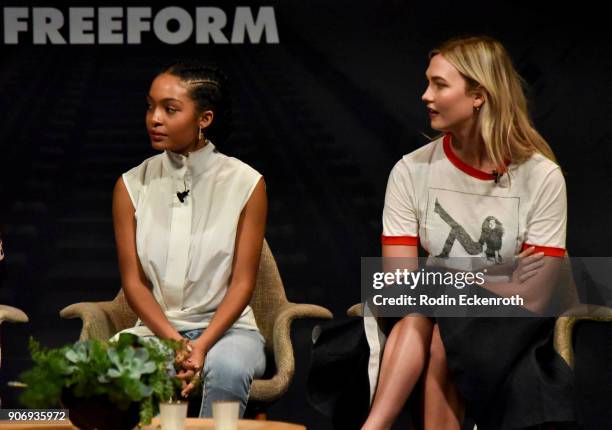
(172, 415)
(225, 414)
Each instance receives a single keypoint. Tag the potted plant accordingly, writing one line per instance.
(105, 384)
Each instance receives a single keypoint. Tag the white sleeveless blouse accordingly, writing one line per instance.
(186, 248)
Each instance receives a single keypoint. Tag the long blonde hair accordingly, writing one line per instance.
(504, 123)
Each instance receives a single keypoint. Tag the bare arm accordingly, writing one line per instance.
(405, 251)
(400, 257)
(133, 280)
(533, 279)
(249, 240)
(536, 290)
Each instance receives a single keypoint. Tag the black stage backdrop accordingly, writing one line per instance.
(323, 114)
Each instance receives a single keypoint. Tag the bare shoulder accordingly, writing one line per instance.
(121, 198)
(258, 198)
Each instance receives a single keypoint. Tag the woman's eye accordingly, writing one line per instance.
(148, 106)
(170, 110)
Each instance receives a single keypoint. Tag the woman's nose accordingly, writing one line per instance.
(156, 117)
(426, 97)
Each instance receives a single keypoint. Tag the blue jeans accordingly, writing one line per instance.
(230, 366)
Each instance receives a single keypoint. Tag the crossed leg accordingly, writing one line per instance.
(404, 359)
(414, 347)
(443, 407)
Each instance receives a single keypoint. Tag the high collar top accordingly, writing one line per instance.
(194, 163)
(187, 209)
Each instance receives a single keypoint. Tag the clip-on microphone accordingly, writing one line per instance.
(181, 195)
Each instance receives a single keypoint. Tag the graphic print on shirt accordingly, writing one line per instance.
(460, 224)
(490, 240)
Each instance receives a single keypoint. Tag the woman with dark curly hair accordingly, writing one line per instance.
(189, 227)
(491, 238)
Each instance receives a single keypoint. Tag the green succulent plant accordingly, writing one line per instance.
(130, 369)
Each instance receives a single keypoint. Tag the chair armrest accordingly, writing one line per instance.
(271, 389)
(355, 311)
(11, 314)
(564, 327)
(96, 323)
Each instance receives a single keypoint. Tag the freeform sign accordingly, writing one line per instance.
(125, 25)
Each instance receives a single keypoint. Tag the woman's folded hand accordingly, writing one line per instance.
(528, 263)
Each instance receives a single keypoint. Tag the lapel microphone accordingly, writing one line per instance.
(182, 194)
(496, 176)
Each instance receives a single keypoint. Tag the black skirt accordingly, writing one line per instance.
(508, 371)
(505, 367)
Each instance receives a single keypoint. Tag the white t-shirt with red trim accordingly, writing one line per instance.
(455, 210)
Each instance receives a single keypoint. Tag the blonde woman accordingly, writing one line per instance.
(489, 187)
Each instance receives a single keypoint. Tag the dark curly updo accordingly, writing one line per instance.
(209, 88)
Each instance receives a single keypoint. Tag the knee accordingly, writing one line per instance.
(413, 331)
(415, 324)
(415, 320)
(437, 353)
(230, 374)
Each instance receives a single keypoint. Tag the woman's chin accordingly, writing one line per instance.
(440, 126)
(437, 127)
(160, 146)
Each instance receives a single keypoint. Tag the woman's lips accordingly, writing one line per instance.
(157, 136)
(432, 112)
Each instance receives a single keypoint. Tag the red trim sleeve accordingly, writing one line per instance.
(547, 250)
(400, 240)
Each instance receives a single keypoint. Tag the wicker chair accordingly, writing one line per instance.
(273, 314)
(11, 314)
(14, 315)
(565, 323)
